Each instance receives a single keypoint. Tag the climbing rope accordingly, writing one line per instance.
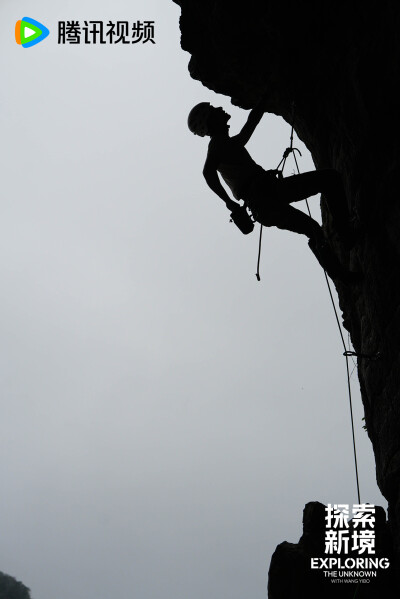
(347, 352)
(259, 254)
(279, 172)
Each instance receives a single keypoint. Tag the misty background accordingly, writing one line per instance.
(164, 416)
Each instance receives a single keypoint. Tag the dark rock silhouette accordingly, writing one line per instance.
(339, 63)
(10, 588)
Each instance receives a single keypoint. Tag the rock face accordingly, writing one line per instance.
(339, 64)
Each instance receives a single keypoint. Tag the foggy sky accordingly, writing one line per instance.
(165, 417)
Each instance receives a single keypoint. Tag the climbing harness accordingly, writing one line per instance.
(347, 352)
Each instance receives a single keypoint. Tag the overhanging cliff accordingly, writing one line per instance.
(339, 63)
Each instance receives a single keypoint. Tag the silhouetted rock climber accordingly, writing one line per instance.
(267, 196)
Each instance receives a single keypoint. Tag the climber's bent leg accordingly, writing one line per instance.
(291, 219)
(294, 220)
(329, 183)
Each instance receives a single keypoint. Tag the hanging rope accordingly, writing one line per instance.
(259, 254)
(346, 355)
(347, 352)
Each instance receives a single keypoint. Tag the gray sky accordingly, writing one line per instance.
(164, 417)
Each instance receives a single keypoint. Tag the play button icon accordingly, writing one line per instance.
(29, 32)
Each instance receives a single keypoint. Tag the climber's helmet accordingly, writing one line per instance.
(198, 118)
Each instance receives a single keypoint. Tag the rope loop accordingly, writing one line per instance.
(287, 152)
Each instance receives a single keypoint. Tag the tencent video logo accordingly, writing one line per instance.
(29, 32)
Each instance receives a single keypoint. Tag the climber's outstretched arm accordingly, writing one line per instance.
(213, 182)
(253, 119)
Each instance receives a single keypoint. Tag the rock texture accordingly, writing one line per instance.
(339, 63)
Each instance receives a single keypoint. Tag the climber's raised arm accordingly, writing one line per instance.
(253, 119)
